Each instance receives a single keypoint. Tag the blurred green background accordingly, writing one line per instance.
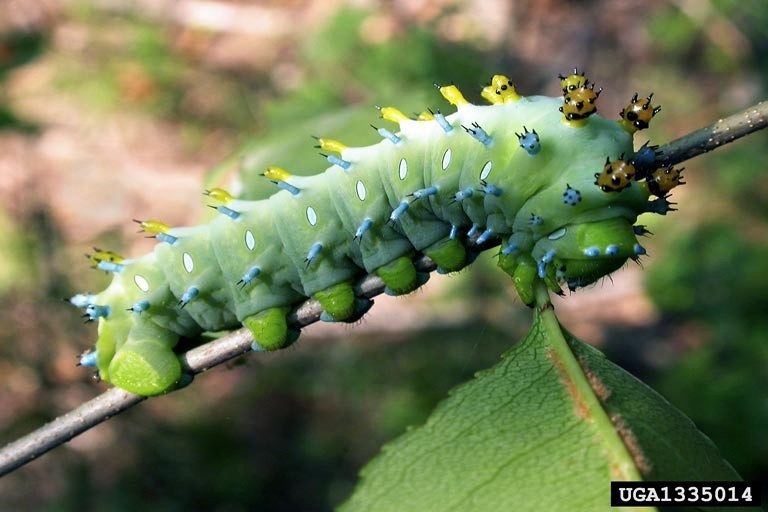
(112, 110)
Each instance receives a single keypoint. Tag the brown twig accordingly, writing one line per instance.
(199, 359)
(706, 139)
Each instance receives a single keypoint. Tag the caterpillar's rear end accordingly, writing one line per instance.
(552, 181)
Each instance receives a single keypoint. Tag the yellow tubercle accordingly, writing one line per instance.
(332, 145)
(627, 126)
(426, 116)
(153, 227)
(275, 173)
(500, 90)
(576, 123)
(392, 114)
(100, 255)
(579, 104)
(452, 94)
(575, 80)
(219, 194)
(663, 180)
(637, 114)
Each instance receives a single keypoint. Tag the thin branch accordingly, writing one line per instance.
(204, 357)
(713, 136)
(194, 361)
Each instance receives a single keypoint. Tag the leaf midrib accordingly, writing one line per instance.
(618, 455)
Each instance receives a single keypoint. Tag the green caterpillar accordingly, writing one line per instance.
(544, 175)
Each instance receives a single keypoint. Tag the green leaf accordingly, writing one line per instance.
(545, 429)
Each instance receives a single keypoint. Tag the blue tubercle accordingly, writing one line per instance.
(612, 250)
(484, 236)
(454, 232)
(529, 141)
(229, 212)
(571, 196)
(443, 122)
(473, 230)
(284, 185)
(94, 311)
(397, 212)
(110, 266)
(425, 192)
(464, 194)
(249, 276)
(188, 296)
(140, 306)
(364, 226)
(165, 237)
(639, 249)
(82, 300)
(88, 359)
(546, 259)
(394, 139)
(479, 134)
(645, 157)
(661, 206)
(592, 252)
(313, 252)
(641, 230)
(335, 160)
(509, 249)
(491, 189)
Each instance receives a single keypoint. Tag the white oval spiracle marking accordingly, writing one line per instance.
(486, 170)
(250, 242)
(141, 283)
(447, 158)
(311, 216)
(403, 170)
(189, 265)
(557, 234)
(361, 192)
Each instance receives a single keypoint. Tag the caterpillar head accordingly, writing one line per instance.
(662, 180)
(573, 81)
(580, 103)
(638, 113)
(500, 90)
(615, 176)
(585, 252)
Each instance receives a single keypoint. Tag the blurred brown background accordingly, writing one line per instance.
(112, 110)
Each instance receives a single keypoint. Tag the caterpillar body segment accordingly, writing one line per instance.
(247, 244)
(516, 172)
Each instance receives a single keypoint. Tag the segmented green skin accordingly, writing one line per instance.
(276, 233)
